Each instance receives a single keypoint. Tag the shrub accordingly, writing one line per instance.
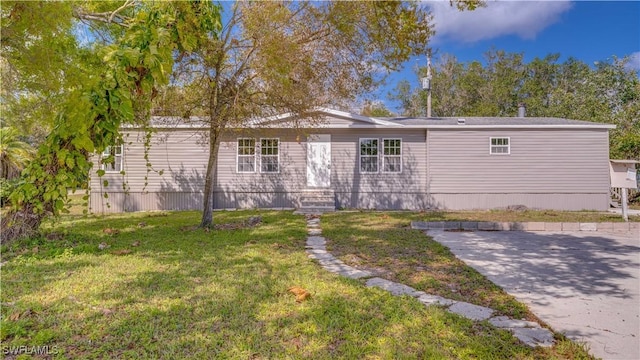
(6, 187)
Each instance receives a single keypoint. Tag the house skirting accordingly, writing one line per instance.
(149, 201)
(549, 201)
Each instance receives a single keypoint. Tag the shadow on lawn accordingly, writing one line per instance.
(383, 240)
(591, 264)
(202, 295)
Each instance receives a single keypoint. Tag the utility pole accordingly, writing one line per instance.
(426, 84)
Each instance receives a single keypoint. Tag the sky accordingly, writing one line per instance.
(589, 31)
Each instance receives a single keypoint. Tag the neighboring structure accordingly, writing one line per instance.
(624, 178)
(352, 161)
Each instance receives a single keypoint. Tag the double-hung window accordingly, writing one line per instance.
(392, 155)
(368, 155)
(269, 155)
(499, 146)
(112, 158)
(246, 161)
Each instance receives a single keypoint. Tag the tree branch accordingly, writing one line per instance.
(105, 17)
(127, 4)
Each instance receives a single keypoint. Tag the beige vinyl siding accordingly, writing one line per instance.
(404, 190)
(345, 175)
(541, 166)
(560, 161)
(444, 169)
(292, 164)
(353, 190)
(181, 155)
(345, 171)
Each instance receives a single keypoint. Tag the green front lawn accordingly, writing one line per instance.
(163, 289)
(516, 216)
(384, 243)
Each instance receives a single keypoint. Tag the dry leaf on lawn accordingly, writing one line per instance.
(300, 293)
(110, 231)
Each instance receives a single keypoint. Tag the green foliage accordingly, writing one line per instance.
(607, 93)
(91, 115)
(14, 153)
(6, 188)
(41, 60)
(273, 58)
(165, 300)
(375, 109)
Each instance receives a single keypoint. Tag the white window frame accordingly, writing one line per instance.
(360, 156)
(238, 156)
(383, 156)
(273, 156)
(110, 167)
(492, 147)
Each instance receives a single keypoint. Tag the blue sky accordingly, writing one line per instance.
(587, 30)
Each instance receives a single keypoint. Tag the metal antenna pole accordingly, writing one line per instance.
(429, 88)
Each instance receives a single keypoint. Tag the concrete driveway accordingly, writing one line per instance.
(585, 285)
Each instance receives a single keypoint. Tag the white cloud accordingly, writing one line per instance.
(522, 18)
(634, 61)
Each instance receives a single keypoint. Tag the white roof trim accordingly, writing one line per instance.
(528, 126)
(351, 116)
(407, 127)
(268, 119)
(326, 111)
(370, 122)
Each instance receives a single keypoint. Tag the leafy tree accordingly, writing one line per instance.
(138, 56)
(278, 57)
(408, 98)
(41, 60)
(14, 153)
(375, 109)
(608, 92)
(446, 79)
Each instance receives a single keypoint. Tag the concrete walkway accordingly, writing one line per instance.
(528, 332)
(619, 211)
(585, 285)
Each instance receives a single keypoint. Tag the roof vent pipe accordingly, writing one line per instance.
(521, 110)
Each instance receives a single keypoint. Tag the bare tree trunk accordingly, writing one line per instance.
(20, 224)
(209, 184)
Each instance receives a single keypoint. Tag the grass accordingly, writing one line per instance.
(77, 205)
(515, 216)
(185, 293)
(384, 243)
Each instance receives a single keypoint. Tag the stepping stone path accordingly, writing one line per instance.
(529, 332)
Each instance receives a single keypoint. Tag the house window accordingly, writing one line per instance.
(246, 155)
(499, 146)
(269, 155)
(368, 155)
(392, 155)
(111, 159)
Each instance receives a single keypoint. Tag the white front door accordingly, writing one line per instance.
(319, 161)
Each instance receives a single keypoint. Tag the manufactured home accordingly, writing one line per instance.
(352, 161)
